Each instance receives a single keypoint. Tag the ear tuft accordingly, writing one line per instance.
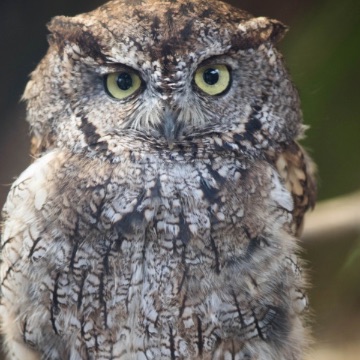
(60, 27)
(69, 30)
(261, 29)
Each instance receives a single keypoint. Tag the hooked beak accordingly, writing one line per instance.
(170, 128)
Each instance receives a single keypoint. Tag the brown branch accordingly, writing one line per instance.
(337, 218)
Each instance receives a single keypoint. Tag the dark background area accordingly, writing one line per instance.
(322, 51)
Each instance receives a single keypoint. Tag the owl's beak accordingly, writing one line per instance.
(170, 128)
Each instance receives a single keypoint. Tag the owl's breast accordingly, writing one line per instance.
(157, 251)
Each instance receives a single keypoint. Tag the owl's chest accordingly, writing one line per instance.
(150, 243)
(150, 248)
(168, 205)
(155, 226)
(154, 212)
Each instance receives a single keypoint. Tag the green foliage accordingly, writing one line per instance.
(323, 53)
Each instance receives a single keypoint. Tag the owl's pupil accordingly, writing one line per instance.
(211, 76)
(124, 81)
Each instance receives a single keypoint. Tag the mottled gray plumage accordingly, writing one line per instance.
(161, 225)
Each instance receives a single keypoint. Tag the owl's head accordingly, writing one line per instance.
(166, 72)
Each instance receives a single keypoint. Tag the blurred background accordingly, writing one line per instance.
(322, 51)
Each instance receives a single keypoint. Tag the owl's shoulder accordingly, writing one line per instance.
(29, 190)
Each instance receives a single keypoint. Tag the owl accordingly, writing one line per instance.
(160, 218)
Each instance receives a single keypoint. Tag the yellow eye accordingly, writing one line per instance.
(122, 84)
(213, 79)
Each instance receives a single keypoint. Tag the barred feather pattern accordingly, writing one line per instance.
(158, 227)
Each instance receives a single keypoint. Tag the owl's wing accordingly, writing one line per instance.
(298, 173)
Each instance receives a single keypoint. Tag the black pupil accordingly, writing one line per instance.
(211, 76)
(124, 81)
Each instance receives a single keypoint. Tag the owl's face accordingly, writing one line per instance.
(162, 71)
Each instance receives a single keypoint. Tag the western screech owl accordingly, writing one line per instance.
(160, 217)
